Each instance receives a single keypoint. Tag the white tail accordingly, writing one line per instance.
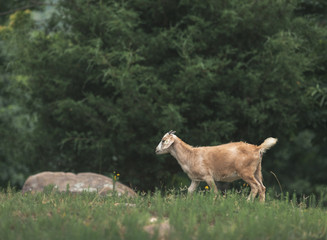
(268, 143)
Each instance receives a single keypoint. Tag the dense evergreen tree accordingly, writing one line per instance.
(15, 121)
(106, 79)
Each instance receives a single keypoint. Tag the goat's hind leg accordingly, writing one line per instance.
(254, 184)
(262, 189)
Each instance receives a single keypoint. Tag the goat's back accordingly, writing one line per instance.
(230, 149)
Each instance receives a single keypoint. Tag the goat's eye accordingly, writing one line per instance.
(163, 141)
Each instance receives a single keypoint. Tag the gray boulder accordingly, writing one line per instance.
(75, 183)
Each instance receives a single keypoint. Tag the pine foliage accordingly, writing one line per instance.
(108, 78)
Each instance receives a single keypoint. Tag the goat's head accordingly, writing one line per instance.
(165, 143)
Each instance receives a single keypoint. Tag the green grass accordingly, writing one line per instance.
(54, 215)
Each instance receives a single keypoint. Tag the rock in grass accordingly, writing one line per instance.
(75, 183)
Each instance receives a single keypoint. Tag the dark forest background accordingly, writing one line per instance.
(92, 85)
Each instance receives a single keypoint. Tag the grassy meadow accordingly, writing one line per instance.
(52, 215)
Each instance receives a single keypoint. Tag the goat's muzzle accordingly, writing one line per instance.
(159, 152)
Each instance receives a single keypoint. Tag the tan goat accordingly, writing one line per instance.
(225, 163)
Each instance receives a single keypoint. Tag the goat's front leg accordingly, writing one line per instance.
(193, 186)
(211, 182)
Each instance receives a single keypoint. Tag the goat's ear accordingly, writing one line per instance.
(168, 142)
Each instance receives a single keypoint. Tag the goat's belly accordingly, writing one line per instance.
(228, 178)
(195, 175)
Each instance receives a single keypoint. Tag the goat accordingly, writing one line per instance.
(225, 163)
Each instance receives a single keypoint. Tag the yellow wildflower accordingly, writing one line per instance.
(206, 187)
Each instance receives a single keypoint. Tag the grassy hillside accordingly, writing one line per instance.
(53, 215)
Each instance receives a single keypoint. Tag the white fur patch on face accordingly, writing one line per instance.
(159, 147)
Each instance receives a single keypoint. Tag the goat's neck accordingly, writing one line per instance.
(181, 151)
